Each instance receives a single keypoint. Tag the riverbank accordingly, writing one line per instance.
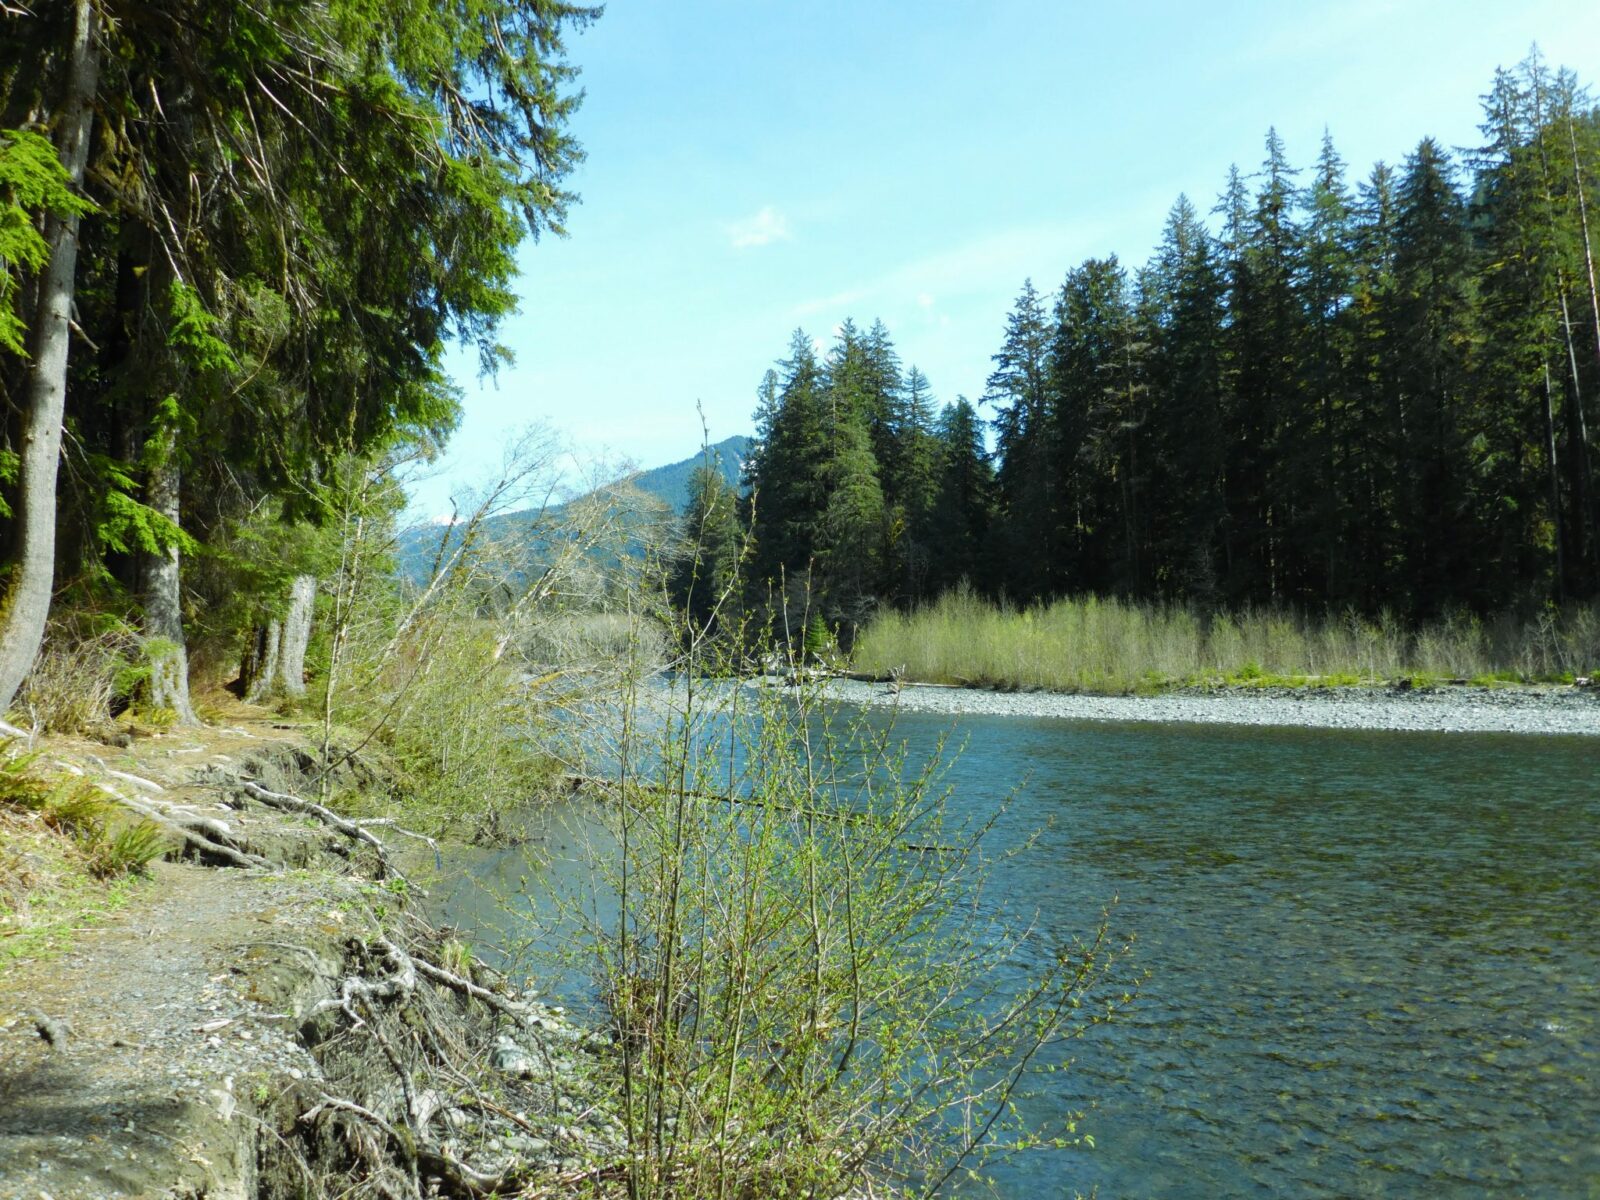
(1553, 709)
(247, 1020)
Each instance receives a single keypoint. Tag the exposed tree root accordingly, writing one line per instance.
(211, 839)
(415, 1102)
(356, 831)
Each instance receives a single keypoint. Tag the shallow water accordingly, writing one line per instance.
(1374, 958)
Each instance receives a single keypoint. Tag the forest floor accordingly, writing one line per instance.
(169, 1046)
(1542, 709)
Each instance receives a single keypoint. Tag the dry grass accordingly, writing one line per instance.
(1111, 646)
(86, 661)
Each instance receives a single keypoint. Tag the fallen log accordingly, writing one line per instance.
(577, 781)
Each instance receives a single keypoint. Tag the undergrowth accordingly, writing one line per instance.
(1114, 646)
(67, 855)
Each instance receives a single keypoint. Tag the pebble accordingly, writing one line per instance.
(1445, 710)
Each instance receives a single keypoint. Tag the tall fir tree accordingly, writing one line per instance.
(1327, 278)
(963, 507)
(1018, 390)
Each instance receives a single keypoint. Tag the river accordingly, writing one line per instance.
(1373, 958)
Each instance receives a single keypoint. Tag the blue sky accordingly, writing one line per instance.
(755, 166)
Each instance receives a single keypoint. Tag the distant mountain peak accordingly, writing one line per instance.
(670, 484)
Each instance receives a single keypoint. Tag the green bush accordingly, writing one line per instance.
(804, 979)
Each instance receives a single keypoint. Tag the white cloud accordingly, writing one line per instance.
(996, 261)
(830, 304)
(765, 227)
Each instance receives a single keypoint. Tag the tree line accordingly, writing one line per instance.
(235, 242)
(1374, 396)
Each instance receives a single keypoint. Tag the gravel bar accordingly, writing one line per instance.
(1538, 710)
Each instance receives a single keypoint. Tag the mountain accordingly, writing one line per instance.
(666, 486)
(670, 483)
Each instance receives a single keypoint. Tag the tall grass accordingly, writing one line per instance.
(1108, 645)
(87, 661)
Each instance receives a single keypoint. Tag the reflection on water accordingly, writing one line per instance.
(1374, 959)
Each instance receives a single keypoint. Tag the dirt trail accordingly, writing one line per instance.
(174, 1021)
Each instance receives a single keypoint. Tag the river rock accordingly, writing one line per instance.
(507, 1056)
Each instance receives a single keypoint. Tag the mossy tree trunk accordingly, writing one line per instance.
(275, 660)
(160, 583)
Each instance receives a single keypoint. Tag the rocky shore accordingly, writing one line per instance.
(1446, 709)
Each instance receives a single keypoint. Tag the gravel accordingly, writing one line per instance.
(1530, 710)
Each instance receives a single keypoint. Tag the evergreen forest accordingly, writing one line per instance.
(1323, 394)
(236, 241)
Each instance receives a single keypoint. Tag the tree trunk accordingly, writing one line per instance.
(163, 610)
(1588, 245)
(260, 666)
(296, 633)
(1578, 449)
(276, 662)
(1593, 516)
(26, 603)
(1555, 488)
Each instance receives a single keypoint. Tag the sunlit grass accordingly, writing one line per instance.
(1112, 646)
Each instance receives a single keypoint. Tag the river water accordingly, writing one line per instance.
(1373, 958)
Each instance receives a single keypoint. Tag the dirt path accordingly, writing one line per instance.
(173, 1023)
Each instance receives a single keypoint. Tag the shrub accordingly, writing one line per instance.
(1109, 645)
(111, 841)
(804, 977)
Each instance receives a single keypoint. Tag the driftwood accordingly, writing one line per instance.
(357, 831)
(578, 781)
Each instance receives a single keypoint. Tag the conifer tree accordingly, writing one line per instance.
(1271, 405)
(1519, 319)
(850, 531)
(963, 508)
(1097, 422)
(702, 582)
(1186, 371)
(1380, 485)
(788, 489)
(1434, 320)
(1327, 279)
(1018, 389)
